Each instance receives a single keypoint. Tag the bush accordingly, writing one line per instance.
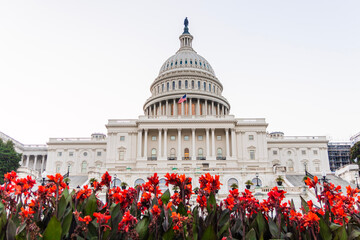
(52, 212)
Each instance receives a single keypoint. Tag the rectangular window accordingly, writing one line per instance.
(153, 138)
(252, 154)
(200, 137)
(315, 152)
(121, 155)
(303, 152)
(186, 138)
(218, 138)
(122, 138)
(98, 154)
(251, 137)
(59, 154)
(274, 152)
(71, 154)
(172, 138)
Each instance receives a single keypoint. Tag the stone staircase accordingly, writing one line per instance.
(297, 180)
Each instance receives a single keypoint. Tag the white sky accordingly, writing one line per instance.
(66, 67)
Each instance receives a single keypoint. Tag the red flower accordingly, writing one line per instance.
(102, 219)
(26, 213)
(58, 178)
(106, 179)
(178, 221)
(86, 219)
(311, 183)
(155, 210)
(10, 176)
(128, 221)
(209, 183)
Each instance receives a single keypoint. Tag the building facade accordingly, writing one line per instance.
(339, 154)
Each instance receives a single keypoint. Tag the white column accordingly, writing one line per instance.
(175, 108)
(223, 110)
(190, 108)
(182, 109)
(227, 143)
(218, 109)
(35, 160)
(207, 144)
(167, 108)
(160, 109)
(42, 163)
(145, 143)
(27, 160)
(233, 143)
(198, 107)
(179, 144)
(159, 150)
(139, 143)
(212, 108)
(206, 107)
(213, 142)
(193, 144)
(165, 142)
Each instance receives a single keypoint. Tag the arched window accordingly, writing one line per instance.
(186, 154)
(138, 182)
(162, 88)
(172, 152)
(214, 89)
(256, 182)
(162, 185)
(232, 182)
(167, 86)
(200, 152)
(153, 152)
(84, 167)
(209, 87)
(185, 61)
(173, 85)
(179, 85)
(290, 165)
(219, 152)
(186, 84)
(115, 182)
(192, 84)
(204, 86)
(199, 85)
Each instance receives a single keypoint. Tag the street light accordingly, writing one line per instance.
(43, 175)
(356, 179)
(305, 168)
(68, 170)
(323, 176)
(114, 179)
(257, 180)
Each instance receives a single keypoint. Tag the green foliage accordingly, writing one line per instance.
(355, 153)
(9, 158)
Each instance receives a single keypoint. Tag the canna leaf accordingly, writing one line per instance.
(304, 205)
(90, 206)
(165, 197)
(53, 230)
(325, 231)
(251, 235)
(262, 226)
(142, 228)
(209, 234)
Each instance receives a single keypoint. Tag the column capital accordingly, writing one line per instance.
(207, 129)
(160, 129)
(193, 129)
(226, 129)
(179, 129)
(212, 129)
(165, 129)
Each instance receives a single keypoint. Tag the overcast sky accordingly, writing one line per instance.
(66, 67)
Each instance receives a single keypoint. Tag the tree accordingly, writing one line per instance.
(9, 158)
(355, 153)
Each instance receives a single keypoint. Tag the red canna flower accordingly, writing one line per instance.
(26, 213)
(178, 222)
(128, 221)
(155, 210)
(86, 219)
(83, 193)
(106, 179)
(102, 219)
(10, 176)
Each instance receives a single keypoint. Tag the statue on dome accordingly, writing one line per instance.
(186, 22)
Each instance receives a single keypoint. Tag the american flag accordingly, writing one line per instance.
(182, 99)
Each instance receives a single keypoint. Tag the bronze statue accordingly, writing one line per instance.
(186, 22)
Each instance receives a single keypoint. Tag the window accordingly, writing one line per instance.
(209, 87)
(289, 152)
(204, 86)
(200, 152)
(173, 85)
(98, 154)
(186, 84)
(122, 138)
(186, 138)
(218, 138)
(251, 137)
(58, 168)
(303, 152)
(98, 164)
(85, 154)
(59, 154)
(252, 154)
(153, 138)
(274, 152)
(167, 86)
(192, 84)
(198, 84)
(219, 152)
(121, 155)
(71, 154)
(214, 89)
(172, 138)
(172, 152)
(139, 182)
(200, 137)
(290, 165)
(162, 185)
(158, 89)
(179, 85)
(315, 152)
(162, 88)
(83, 167)
(153, 152)
(231, 182)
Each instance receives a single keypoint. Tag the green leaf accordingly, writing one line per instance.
(90, 206)
(325, 231)
(334, 227)
(2, 216)
(181, 209)
(274, 230)
(169, 235)
(10, 230)
(66, 223)
(251, 235)
(354, 234)
(209, 234)
(53, 230)
(165, 197)
(261, 224)
(223, 229)
(211, 202)
(61, 207)
(341, 234)
(224, 217)
(304, 205)
(142, 228)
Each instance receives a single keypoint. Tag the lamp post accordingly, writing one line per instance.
(114, 179)
(68, 170)
(257, 180)
(356, 179)
(305, 168)
(323, 177)
(43, 175)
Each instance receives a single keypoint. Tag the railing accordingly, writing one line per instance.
(171, 158)
(220, 158)
(152, 158)
(200, 158)
(186, 158)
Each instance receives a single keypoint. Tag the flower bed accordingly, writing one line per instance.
(144, 212)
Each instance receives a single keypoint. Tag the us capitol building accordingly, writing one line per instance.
(196, 136)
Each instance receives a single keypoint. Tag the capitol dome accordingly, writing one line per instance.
(186, 73)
